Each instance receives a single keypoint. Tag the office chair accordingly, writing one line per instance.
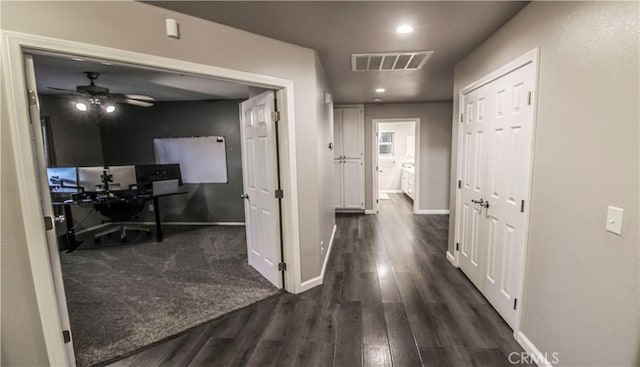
(121, 211)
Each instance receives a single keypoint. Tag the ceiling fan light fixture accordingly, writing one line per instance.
(80, 106)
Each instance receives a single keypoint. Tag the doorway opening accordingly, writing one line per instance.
(396, 161)
(34, 180)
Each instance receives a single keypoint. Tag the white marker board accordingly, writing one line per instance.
(202, 159)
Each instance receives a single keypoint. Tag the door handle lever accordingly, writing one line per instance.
(484, 204)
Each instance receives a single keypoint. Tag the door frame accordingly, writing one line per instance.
(531, 57)
(374, 163)
(15, 45)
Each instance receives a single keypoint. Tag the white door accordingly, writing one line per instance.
(507, 185)
(352, 181)
(474, 127)
(47, 207)
(497, 137)
(260, 172)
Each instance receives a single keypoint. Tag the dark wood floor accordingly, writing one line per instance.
(390, 298)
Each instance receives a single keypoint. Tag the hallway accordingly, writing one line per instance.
(389, 294)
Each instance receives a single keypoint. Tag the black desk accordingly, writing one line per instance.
(70, 236)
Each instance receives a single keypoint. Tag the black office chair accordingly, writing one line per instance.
(121, 211)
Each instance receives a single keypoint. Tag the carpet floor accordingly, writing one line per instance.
(122, 297)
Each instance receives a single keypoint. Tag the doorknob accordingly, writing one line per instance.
(244, 196)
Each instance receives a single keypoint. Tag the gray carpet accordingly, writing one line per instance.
(123, 297)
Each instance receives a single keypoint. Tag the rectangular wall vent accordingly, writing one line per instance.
(390, 61)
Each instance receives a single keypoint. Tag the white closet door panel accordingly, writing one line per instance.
(338, 201)
(337, 133)
(352, 133)
(352, 182)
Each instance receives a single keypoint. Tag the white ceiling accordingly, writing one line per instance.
(66, 72)
(338, 29)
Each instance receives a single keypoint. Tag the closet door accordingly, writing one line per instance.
(338, 201)
(474, 156)
(508, 175)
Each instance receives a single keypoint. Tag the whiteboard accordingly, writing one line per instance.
(202, 159)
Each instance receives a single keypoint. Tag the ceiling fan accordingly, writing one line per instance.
(100, 96)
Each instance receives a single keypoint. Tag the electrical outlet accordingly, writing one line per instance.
(150, 207)
(322, 247)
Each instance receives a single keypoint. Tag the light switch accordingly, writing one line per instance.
(614, 220)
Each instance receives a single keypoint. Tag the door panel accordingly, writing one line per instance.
(352, 133)
(337, 184)
(337, 133)
(259, 170)
(352, 181)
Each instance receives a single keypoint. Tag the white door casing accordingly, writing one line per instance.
(496, 144)
(47, 206)
(259, 167)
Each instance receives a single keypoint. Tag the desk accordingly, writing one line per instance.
(70, 236)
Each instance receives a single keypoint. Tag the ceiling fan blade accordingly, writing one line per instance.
(140, 97)
(64, 90)
(137, 103)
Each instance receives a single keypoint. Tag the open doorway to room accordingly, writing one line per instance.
(151, 176)
(396, 168)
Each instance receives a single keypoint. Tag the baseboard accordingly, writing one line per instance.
(432, 211)
(538, 357)
(314, 282)
(452, 259)
(390, 191)
(89, 229)
(369, 211)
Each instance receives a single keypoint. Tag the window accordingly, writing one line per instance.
(385, 143)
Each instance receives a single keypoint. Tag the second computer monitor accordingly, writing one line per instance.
(90, 178)
(122, 177)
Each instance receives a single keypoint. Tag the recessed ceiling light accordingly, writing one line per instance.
(377, 100)
(380, 90)
(405, 28)
(110, 108)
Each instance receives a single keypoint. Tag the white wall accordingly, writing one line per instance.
(435, 148)
(581, 293)
(390, 177)
(139, 27)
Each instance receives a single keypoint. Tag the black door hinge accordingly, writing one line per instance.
(282, 266)
(522, 206)
(457, 246)
(66, 335)
(459, 184)
(48, 223)
(279, 194)
(515, 303)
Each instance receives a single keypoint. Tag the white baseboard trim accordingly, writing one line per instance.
(313, 282)
(89, 229)
(452, 259)
(538, 357)
(369, 211)
(432, 211)
(390, 191)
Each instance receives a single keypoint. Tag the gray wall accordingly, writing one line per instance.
(127, 138)
(76, 135)
(581, 289)
(435, 148)
(140, 28)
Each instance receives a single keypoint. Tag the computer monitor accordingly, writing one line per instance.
(63, 179)
(148, 173)
(90, 178)
(122, 177)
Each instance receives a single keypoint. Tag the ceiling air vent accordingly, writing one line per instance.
(390, 61)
